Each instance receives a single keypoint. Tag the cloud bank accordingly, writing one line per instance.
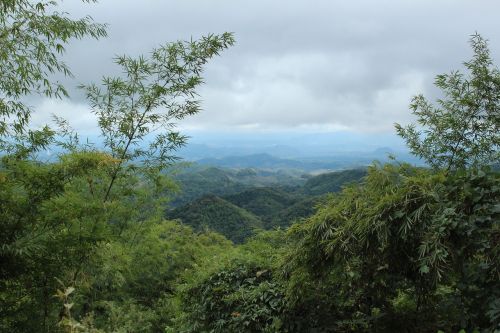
(298, 65)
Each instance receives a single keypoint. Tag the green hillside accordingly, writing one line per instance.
(301, 209)
(332, 181)
(197, 181)
(213, 213)
(264, 202)
(240, 186)
(215, 199)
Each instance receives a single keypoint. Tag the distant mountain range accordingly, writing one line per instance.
(329, 163)
(287, 144)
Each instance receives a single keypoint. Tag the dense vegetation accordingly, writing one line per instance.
(213, 213)
(238, 216)
(332, 181)
(195, 181)
(85, 246)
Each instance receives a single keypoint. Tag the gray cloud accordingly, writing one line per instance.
(297, 64)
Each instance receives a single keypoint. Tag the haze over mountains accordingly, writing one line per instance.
(294, 150)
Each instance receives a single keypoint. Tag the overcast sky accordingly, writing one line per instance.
(297, 65)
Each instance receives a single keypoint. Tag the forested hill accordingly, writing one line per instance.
(263, 201)
(234, 206)
(213, 213)
(197, 180)
(331, 181)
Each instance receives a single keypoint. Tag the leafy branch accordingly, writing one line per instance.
(137, 112)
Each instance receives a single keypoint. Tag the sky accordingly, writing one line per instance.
(297, 67)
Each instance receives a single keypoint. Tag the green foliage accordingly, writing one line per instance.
(53, 221)
(405, 233)
(463, 129)
(197, 181)
(80, 217)
(331, 181)
(132, 282)
(295, 212)
(408, 249)
(277, 206)
(67, 323)
(162, 253)
(153, 93)
(213, 213)
(239, 294)
(33, 35)
(240, 298)
(263, 201)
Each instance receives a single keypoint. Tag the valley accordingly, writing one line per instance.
(239, 202)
